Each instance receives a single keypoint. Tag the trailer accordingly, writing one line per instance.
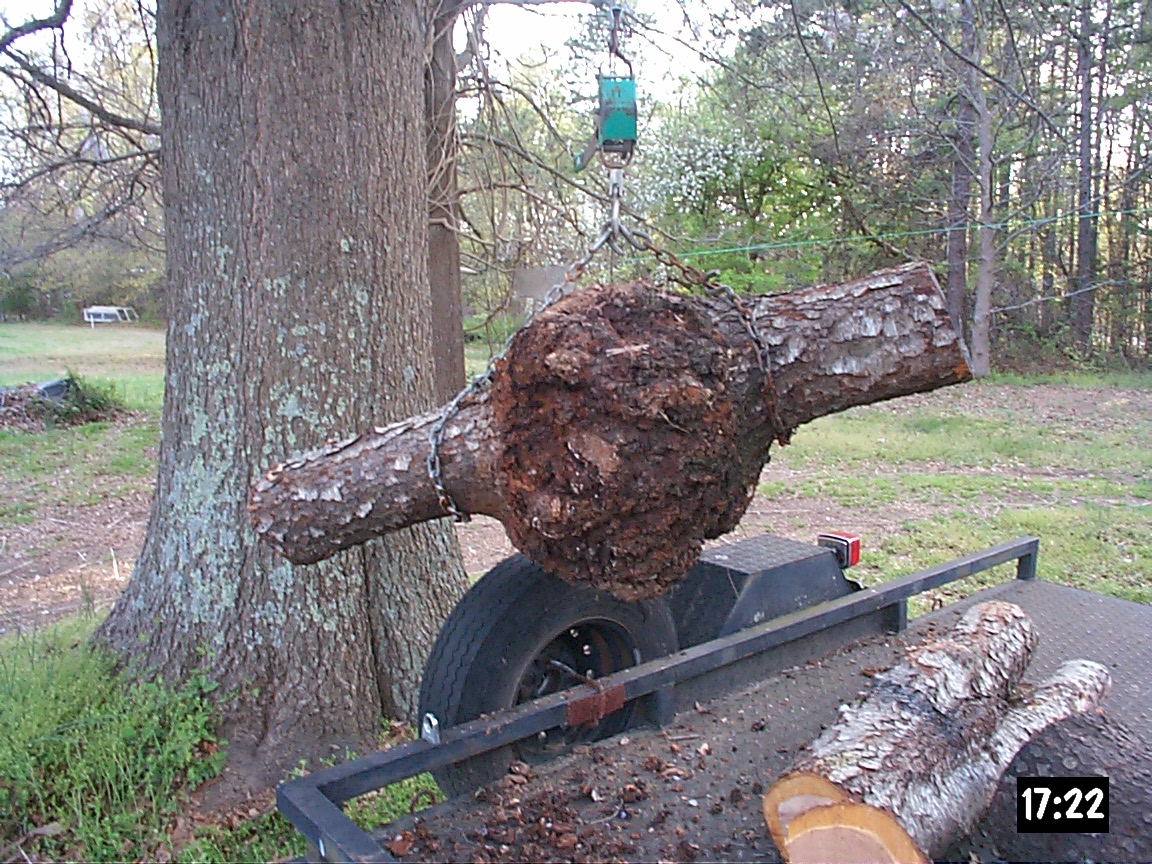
(94, 315)
(525, 671)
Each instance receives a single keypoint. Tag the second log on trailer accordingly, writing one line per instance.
(911, 769)
(625, 426)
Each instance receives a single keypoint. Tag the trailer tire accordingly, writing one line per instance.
(497, 648)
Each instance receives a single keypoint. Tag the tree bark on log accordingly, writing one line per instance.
(913, 767)
(625, 425)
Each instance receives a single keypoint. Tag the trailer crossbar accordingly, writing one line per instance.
(311, 803)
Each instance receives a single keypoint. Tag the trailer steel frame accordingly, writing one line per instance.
(312, 803)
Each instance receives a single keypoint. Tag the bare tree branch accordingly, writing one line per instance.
(109, 117)
(52, 22)
(1008, 88)
(14, 257)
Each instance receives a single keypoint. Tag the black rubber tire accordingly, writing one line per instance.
(488, 645)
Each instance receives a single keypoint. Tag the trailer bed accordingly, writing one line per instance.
(663, 795)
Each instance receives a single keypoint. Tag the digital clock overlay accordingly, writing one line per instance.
(1062, 805)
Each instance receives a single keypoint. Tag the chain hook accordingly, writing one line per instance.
(611, 233)
(617, 12)
(615, 194)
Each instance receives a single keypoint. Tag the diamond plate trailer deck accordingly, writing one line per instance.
(718, 666)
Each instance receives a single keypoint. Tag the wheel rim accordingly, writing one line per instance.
(586, 650)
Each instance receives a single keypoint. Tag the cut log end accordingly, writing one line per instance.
(849, 833)
(813, 820)
(795, 795)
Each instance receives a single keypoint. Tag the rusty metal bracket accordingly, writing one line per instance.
(589, 710)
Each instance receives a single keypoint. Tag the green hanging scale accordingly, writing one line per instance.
(615, 135)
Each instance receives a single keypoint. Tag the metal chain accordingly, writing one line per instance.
(610, 234)
(689, 276)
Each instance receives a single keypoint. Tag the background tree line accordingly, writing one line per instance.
(812, 141)
(822, 140)
(82, 218)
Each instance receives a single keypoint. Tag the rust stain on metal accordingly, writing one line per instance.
(591, 709)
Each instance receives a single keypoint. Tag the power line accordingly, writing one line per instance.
(1036, 300)
(1016, 223)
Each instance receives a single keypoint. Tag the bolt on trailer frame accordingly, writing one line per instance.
(312, 803)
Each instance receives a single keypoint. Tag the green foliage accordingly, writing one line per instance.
(268, 837)
(492, 330)
(19, 297)
(1084, 379)
(390, 803)
(271, 837)
(103, 760)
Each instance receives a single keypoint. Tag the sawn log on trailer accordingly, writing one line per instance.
(625, 425)
(908, 771)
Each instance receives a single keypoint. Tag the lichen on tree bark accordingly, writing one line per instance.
(296, 212)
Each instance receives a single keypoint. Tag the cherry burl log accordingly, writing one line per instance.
(624, 426)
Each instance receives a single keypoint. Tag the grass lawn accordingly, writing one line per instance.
(980, 464)
(81, 465)
(475, 358)
(924, 479)
(132, 356)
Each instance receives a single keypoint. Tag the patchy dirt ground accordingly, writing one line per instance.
(71, 559)
(67, 559)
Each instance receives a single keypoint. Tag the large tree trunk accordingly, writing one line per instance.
(1083, 303)
(625, 425)
(443, 241)
(912, 768)
(296, 214)
(985, 276)
(962, 162)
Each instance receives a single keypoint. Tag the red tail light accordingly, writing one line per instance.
(846, 547)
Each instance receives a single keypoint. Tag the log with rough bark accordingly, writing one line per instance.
(625, 425)
(913, 767)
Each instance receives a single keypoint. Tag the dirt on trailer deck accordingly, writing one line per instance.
(691, 792)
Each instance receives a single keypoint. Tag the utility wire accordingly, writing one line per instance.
(1054, 297)
(792, 244)
(828, 241)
